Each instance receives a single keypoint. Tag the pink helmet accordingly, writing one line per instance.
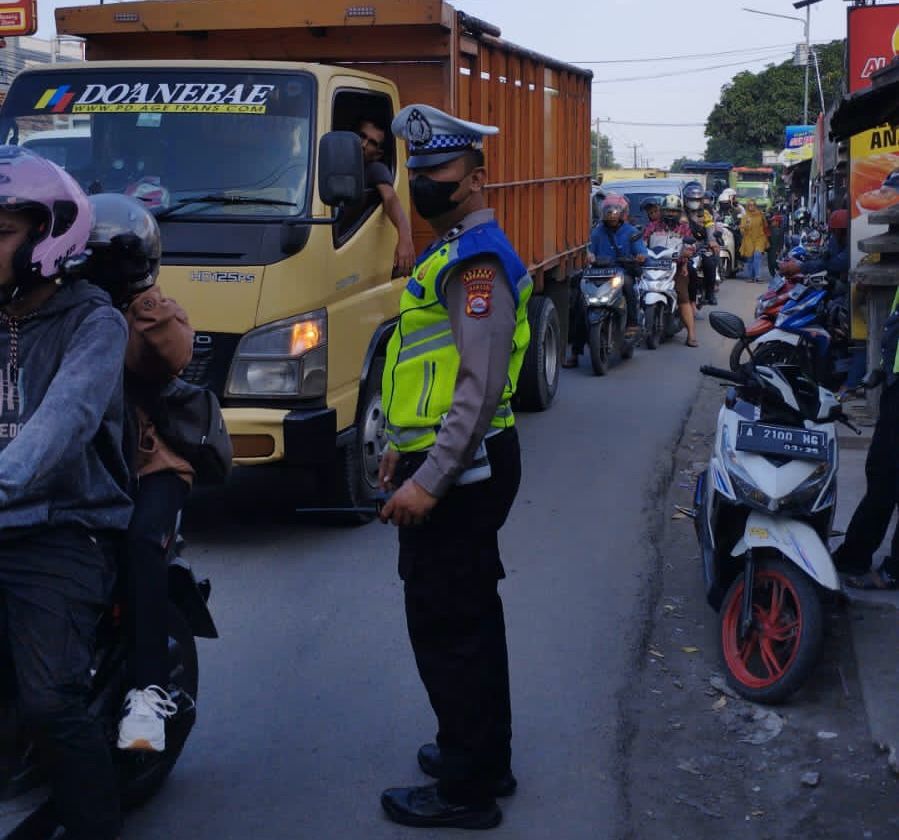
(31, 183)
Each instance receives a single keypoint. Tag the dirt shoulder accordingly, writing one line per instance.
(703, 763)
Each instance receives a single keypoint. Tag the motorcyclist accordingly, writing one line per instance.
(63, 482)
(616, 240)
(652, 209)
(702, 228)
(125, 253)
(835, 261)
(673, 224)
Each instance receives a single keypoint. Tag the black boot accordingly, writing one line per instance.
(424, 807)
(431, 763)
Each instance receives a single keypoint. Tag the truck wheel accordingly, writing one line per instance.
(353, 481)
(539, 378)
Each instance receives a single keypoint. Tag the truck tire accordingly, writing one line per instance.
(353, 477)
(539, 378)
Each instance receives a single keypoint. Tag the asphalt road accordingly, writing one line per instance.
(310, 703)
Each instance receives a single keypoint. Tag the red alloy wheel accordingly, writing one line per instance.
(770, 648)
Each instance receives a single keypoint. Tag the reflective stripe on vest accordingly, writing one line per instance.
(422, 359)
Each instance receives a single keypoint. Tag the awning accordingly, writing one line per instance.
(871, 107)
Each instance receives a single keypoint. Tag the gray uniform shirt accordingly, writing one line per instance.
(483, 329)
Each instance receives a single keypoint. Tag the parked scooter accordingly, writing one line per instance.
(811, 331)
(659, 311)
(764, 510)
(140, 773)
(605, 308)
(727, 256)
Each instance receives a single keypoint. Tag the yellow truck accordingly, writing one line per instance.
(213, 112)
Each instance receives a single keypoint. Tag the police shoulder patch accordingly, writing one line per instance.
(478, 284)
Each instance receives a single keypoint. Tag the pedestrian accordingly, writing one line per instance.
(869, 523)
(754, 228)
(454, 462)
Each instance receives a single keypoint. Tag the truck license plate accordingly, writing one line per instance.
(782, 440)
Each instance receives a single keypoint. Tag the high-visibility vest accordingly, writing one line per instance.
(422, 358)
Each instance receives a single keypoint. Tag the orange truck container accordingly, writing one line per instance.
(395, 52)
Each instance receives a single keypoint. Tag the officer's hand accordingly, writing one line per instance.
(387, 468)
(591, 260)
(404, 258)
(410, 505)
(716, 248)
(640, 258)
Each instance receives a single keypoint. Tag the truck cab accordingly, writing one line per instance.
(212, 114)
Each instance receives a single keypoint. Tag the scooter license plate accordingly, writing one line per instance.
(601, 273)
(764, 439)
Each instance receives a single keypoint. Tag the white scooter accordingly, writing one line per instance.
(764, 510)
(658, 297)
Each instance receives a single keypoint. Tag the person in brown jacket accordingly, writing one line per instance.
(125, 245)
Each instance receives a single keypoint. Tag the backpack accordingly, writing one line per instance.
(189, 419)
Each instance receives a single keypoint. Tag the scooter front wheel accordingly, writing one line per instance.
(652, 320)
(600, 342)
(781, 647)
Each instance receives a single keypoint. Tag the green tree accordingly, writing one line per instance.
(677, 165)
(606, 156)
(754, 108)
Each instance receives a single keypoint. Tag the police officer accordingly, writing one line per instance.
(454, 462)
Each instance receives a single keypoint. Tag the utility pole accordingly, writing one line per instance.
(598, 147)
(635, 146)
(808, 20)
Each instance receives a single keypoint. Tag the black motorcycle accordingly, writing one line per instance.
(140, 773)
(605, 311)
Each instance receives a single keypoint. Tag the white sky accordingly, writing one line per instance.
(581, 30)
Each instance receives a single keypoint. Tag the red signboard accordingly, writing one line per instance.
(873, 41)
(18, 17)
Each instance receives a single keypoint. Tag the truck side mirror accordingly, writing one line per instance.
(341, 174)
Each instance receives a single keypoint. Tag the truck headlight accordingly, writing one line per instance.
(285, 359)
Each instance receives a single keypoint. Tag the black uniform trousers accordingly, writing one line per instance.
(451, 566)
(872, 517)
(53, 586)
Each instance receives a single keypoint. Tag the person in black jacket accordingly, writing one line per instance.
(63, 482)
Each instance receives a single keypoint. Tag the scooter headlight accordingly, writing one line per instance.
(743, 485)
(811, 493)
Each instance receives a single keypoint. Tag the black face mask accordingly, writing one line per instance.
(432, 198)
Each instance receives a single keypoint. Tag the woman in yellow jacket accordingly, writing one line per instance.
(754, 227)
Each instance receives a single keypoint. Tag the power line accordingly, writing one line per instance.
(684, 57)
(683, 72)
(651, 124)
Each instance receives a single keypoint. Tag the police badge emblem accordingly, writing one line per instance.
(418, 129)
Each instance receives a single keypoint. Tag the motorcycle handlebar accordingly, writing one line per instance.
(720, 373)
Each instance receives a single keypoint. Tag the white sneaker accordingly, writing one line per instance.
(144, 714)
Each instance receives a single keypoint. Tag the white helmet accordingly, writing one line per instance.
(727, 195)
(672, 202)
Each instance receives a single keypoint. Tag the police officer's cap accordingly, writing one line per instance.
(435, 137)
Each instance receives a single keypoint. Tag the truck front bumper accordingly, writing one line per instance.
(305, 437)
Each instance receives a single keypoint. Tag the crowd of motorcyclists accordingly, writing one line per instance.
(715, 237)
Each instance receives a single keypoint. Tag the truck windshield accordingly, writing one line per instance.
(744, 191)
(239, 140)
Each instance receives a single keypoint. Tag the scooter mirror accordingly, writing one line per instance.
(728, 325)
